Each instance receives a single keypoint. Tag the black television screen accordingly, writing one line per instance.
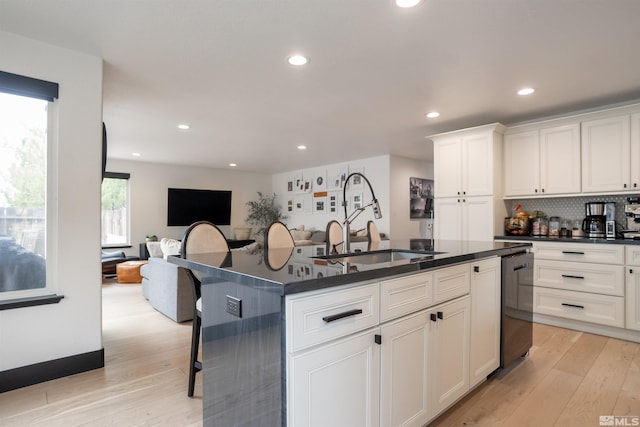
(186, 206)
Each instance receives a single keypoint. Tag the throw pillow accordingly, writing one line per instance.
(170, 247)
(155, 250)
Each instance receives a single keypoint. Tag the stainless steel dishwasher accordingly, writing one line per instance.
(517, 307)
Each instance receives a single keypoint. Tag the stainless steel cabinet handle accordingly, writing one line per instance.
(571, 276)
(572, 305)
(520, 267)
(338, 316)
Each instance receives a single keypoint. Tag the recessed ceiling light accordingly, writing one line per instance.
(233, 165)
(298, 60)
(136, 154)
(432, 115)
(184, 127)
(302, 147)
(407, 3)
(526, 91)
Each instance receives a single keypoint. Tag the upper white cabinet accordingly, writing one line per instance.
(465, 161)
(635, 151)
(543, 161)
(467, 181)
(606, 152)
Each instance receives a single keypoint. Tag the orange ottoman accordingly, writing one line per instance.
(129, 271)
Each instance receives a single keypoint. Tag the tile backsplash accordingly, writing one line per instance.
(570, 207)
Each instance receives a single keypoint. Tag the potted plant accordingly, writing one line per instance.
(263, 212)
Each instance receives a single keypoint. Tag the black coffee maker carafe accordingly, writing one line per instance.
(594, 225)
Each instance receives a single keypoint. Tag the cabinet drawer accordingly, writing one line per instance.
(601, 254)
(451, 282)
(594, 308)
(577, 276)
(632, 255)
(323, 317)
(405, 295)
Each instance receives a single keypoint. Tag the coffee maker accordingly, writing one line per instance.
(632, 212)
(594, 225)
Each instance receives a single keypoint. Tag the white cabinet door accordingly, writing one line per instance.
(477, 165)
(447, 167)
(447, 221)
(635, 151)
(521, 161)
(404, 380)
(605, 154)
(560, 160)
(464, 218)
(632, 298)
(337, 384)
(449, 352)
(477, 219)
(485, 319)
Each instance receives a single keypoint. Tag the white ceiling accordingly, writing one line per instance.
(375, 70)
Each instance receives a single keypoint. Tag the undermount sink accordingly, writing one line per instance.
(375, 257)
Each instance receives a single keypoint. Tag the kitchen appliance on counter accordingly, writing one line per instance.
(595, 223)
(610, 214)
(632, 212)
(517, 307)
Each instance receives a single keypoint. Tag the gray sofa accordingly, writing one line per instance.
(168, 289)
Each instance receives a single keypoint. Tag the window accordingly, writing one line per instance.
(23, 183)
(115, 210)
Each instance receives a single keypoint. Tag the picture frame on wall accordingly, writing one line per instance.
(333, 202)
(420, 198)
(320, 180)
(320, 202)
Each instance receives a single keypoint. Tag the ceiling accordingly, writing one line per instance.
(374, 71)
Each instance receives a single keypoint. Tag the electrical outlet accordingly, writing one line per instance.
(234, 306)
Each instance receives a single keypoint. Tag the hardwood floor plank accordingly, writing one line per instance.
(580, 358)
(545, 403)
(598, 392)
(628, 402)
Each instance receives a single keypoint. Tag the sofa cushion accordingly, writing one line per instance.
(301, 234)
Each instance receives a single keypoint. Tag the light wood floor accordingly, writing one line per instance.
(143, 383)
(569, 379)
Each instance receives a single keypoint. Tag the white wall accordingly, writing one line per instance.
(37, 334)
(148, 194)
(389, 176)
(402, 169)
(376, 169)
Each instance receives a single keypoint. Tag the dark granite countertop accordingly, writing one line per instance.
(299, 270)
(568, 240)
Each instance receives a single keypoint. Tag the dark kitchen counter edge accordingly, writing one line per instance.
(568, 240)
(215, 274)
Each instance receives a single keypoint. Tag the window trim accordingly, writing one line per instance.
(29, 87)
(127, 244)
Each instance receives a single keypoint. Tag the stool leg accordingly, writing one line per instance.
(194, 364)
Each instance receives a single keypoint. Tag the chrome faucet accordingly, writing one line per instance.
(348, 219)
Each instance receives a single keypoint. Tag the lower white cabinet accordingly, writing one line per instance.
(449, 352)
(425, 363)
(404, 390)
(337, 384)
(407, 368)
(485, 319)
(633, 298)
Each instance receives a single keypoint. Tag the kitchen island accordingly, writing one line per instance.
(292, 337)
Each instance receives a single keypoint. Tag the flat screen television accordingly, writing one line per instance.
(185, 206)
